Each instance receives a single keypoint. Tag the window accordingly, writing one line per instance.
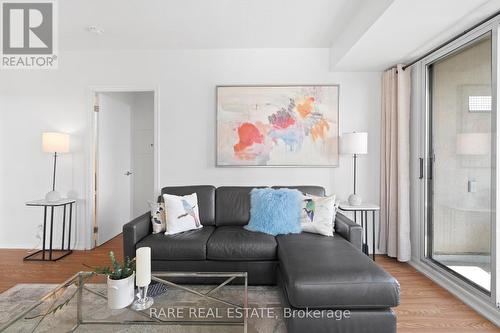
(479, 103)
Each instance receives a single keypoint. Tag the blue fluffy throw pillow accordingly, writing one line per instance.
(275, 212)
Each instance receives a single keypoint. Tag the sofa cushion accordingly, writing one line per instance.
(188, 245)
(318, 214)
(206, 199)
(275, 211)
(325, 272)
(158, 218)
(183, 213)
(233, 243)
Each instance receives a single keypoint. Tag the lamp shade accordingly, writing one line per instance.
(473, 143)
(53, 142)
(354, 143)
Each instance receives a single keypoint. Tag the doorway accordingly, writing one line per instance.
(124, 160)
(460, 191)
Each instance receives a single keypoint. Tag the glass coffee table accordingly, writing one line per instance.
(80, 305)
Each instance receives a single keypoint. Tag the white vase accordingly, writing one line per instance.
(121, 292)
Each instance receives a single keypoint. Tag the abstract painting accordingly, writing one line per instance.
(277, 125)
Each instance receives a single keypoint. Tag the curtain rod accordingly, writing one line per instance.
(451, 40)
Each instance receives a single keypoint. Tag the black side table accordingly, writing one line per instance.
(51, 254)
(364, 209)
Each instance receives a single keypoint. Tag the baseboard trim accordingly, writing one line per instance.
(481, 306)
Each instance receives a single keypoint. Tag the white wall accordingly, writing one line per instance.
(35, 101)
(142, 151)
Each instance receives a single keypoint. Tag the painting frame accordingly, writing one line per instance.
(218, 163)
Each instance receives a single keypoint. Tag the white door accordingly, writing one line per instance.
(114, 176)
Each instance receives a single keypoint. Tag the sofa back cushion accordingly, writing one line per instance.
(206, 199)
(309, 189)
(232, 203)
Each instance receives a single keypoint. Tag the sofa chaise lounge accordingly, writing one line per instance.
(313, 271)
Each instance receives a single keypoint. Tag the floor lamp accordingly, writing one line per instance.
(55, 143)
(354, 144)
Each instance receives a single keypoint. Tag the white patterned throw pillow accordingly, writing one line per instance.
(318, 214)
(158, 217)
(182, 213)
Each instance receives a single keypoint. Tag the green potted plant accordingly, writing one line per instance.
(120, 280)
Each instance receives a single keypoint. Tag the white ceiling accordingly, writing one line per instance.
(409, 28)
(361, 34)
(161, 24)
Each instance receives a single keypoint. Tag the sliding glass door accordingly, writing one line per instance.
(460, 201)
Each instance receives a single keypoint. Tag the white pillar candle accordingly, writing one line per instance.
(143, 266)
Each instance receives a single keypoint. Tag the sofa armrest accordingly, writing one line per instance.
(134, 231)
(349, 229)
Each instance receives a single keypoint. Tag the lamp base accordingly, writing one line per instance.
(355, 200)
(52, 196)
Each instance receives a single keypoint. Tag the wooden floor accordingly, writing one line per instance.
(425, 307)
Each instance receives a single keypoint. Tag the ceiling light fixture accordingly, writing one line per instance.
(95, 30)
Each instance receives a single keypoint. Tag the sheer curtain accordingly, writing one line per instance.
(394, 232)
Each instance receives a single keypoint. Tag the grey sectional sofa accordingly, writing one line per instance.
(313, 271)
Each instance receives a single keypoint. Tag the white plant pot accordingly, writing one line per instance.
(121, 292)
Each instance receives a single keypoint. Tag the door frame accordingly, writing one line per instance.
(92, 142)
(485, 304)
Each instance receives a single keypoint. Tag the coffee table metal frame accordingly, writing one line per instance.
(80, 278)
